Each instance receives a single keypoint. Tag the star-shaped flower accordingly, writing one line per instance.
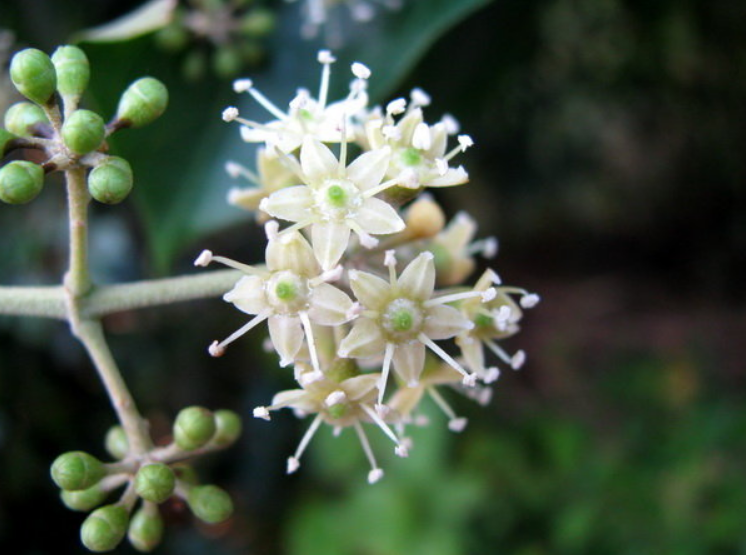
(336, 199)
(400, 318)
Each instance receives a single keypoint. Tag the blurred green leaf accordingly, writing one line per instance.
(147, 18)
(180, 183)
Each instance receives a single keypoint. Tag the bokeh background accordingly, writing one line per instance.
(611, 164)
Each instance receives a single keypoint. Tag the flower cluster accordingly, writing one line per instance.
(316, 13)
(366, 280)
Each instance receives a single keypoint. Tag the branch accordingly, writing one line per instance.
(47, 302)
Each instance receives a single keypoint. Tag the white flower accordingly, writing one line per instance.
(306, 116)
(336, 199)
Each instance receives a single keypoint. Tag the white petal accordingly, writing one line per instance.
(286, 334)
(291, 204)
(328, 305)
(372, 291)
(317, 161)
(368, 169)
(329, 242)
(248, 295)
(409, 360)
(291, 251)
(418, 278)
(406, 399)
(295, 398)
(364, 340)
(378, 217)
(472, 352)
(444, 322)
(454, 176)
(358, 387)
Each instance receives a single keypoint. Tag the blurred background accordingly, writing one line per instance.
(610, 161)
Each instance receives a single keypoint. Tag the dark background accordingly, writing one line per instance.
(609, 161)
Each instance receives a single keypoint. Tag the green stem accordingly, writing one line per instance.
(48, 302)
(77, 279)
(91, 335)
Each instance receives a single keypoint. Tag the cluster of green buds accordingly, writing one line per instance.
(367, 278)
(56, 135)
(148, 479)
(226, 35)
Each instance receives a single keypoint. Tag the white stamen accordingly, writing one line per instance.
(218, 349)
(502, 317)
(382, 410)
(305, 440)
(204, 258)
(366, 239)
(230, 113)
(335, 398)
(396, 107)
(421, 420)
(305, 320)
(215, 349)
(375, 475)
(391, 132)
(469, 379)
(441, 166)
(325, 57)
(242, 85)
(409, 179)
(300, 101)
(261, 412)
(233, 169)
(465, 141)
(293, 464)
(530, 300)
(354, 311)
(389, 259)
(491, 374)
(271, 229)
(420, 97)
(457, 424)
(308, 378)
(421, 138)
(380, 423)
(451, 124)
(489, 295)
(489, 250)
(401, 450)
(332, 275)
(361, 71)
(388, 355)
(518, 359)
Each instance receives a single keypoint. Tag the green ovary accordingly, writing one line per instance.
(337, 411)
(483, 321)
(286, 291)
(411, 157)
(337, 196)
(402, 320)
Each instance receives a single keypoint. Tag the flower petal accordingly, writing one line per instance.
(329, 240)
(286, 334)
(328, 305)
(358, 387)
(365, 340)
(444, 322)
(378, 217)
(317, 161)
(472, 352)
(291, 251)
(406, 399)
(368, 169)
(370, 290)
(454, 176)
(418, 278)
(291, 204)
(248, 295)
(295, 398)
(409, 360)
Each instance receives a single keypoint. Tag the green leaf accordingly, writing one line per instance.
(178, 162)
(149, 17)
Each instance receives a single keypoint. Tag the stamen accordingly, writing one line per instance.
(389, 260)
(530, 300)
(469, 379)
(343, 148)
(309, 339)
(271, 230)
(420, 97)
(451, 124)
(229, 114)
(502, 317)
(455, 423)
(375, 473)
(235, 170)
(382, 187)
(242, 85)
(204, 258)
(487, 247)
(335, 398)
(261, 412)
(388, 355)
(518, 359)
(326, 59)
(245, 268)
(396, 107)
(294, 461)
(361, 71)
(409, 178)
(515, 362)
(491, 374)
(366, 239)
(391, 132)
(445, 299)
(465, 141)
(421, 138)
(217, 349)
(265, 102)
(441, 166)
(380, 423)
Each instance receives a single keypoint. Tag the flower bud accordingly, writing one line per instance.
(111, 181)
(155, 482)
(146, 529)
(424, 218)
(76, 470)
(84, 500)
(73, 70)
(33, 74)
(142, 103)
(83, 131)
(172, 37)
(5, 138)
(226, 61)
(20, 182)
(116, 442)
(258, 23)
(228, 427)
(104, 528)
(194, 426)
(186, 473)
(210, 504)
(22, 118)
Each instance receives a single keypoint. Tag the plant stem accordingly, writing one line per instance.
(77, 279)
(91, 335)
(48, 302)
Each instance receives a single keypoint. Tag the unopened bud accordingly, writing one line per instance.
(146, 529)
(142, 103)
(116, 442)
(228, 427)
(104, 528)
(210, 504)
(33, 74)
(84, 500)
(424, 218)
(5, 138)
(23, 117)
(20, 182)
(73, 70)
(83, 131)
(155, 482)
(111, 181)
(194, 426)
(77, 470)
(258, 23)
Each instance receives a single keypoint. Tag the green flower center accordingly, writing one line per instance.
(305, 114)
(338, 411)
(336, 196)
(411, 157)
(287, 292)
(337, 199)
(483, 321)
(402, 320)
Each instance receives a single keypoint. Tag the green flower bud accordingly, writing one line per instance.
(142, 103)
(76, 470)
(104, 528)
(193, 66)
(146, 529)
(23, 117)
(111, 181)
(20, 182)
(194, 426)
(116, 442)
(342, 369)
(172, 37)
(5, 138)
(155, 482)
(73, 70)
(228, 425)
(186, 473)
(226, 61)
(83, 131)
(84, 500)
(33, 74)
(210, 504)
(258, 23)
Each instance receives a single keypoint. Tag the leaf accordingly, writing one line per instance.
(180, 181)
(149, 17)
